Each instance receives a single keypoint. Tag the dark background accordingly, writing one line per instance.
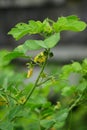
(73, 46)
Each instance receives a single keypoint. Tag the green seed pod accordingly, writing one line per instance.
(45, 53)
(51, 54)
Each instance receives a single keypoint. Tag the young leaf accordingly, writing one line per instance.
(82, 86)
(68, 91)
(58, 125)
(29, 45)
(21, 50)
(51, 41)
(47, 123)
(20, 30)
(77, 67)
(14, 111)
(34, 124)
(3, 61)
(60, 118)
(6, 125)
(84, 66)
(47, 27)
(12, 55)
(71, 23)
(35, 27)
(61, 115)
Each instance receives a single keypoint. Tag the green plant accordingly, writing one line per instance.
(26, 106)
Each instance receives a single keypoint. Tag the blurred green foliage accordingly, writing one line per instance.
(26, 105)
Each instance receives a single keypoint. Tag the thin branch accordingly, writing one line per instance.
(43, 82)
(35, 85)
(75, 103)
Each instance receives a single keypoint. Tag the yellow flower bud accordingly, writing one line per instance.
(2, 101)
(58, 106)
(30, 72)
(22, 100)
(40, 58)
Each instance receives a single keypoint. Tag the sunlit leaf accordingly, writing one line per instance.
(47, 123)
(52, 40)
(68, 91)
(71, 23)
(20, 30)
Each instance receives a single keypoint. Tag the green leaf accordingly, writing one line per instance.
(72, 17)
(68, 91)
(12, 55)
(71, 23)
(29, 45)
(67, 68)
(38, 44)
(82, 86)
(61, 115)
(47, 27)
(70, 68)
(6, 125)
(34, 125)
(51, 41)
(60, 118)
(85, 61)
(58, 125)
(20, 30)
(3, 61)
(47, 123)
(76, 67)
(35, 27)
(84, 66)
(14, 112)
(21, 50)
(40, 102)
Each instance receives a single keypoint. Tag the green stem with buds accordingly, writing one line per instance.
(36, 82)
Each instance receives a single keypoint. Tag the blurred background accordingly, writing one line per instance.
(73, 46)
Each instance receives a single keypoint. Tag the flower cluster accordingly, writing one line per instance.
(40, 58)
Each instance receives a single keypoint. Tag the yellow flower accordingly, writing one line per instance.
(30, 72)
(57, 106)
(22, 100)
(2, 101)
(40, 58)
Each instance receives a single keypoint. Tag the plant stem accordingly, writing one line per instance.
(75, 103)
(44, 82)
(35, 85)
